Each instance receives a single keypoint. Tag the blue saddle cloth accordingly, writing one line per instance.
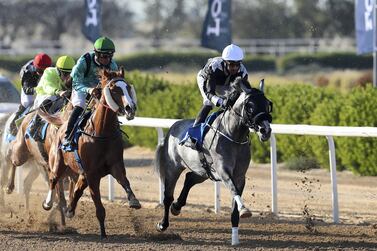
(198, 132)
(42, 130)
(9, 137)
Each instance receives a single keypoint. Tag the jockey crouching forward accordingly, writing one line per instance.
(215, 78)
(85, 79)
(55, 82)
(30, 75)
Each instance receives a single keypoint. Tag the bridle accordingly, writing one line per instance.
(247, 116)
(112, 105)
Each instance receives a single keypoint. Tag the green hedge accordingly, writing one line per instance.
(159, 60)
(331, 60)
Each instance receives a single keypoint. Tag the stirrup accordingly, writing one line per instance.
(67, 145)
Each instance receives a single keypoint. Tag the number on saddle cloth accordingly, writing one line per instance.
(197, 133)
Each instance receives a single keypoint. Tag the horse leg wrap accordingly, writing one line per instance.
(238, 199)
(235, 239)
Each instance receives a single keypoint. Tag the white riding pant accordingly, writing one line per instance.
(26, 100)
(78, 98)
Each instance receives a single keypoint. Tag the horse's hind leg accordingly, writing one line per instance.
(28, 182)
(80, 186)
(119, 173)
(170, 182)
(190, 180)
(10, 186)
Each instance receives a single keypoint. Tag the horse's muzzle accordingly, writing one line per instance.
(264, 131)
(129, 112)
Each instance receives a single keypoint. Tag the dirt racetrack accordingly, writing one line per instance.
(303, 223)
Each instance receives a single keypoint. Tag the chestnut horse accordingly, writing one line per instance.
(100, 147)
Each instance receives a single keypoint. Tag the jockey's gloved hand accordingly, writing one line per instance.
(219, 102)
(225, 104)
(95, 92)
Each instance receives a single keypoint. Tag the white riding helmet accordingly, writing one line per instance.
(232, 53)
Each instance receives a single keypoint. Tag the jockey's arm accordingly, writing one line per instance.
(78, 79)
(210, 91)
(50, 83)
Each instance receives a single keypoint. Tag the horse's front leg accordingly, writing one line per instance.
(96, 197)
(119, 173)
(235, 217)
(235, 192)
(190, 180)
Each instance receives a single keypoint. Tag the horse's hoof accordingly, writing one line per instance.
(245, 213)
(103, 237)
(46, 206)
(235, 242)
(160, 227)
(134, 203)
(9, 190)
(69, 214)
(174, 211)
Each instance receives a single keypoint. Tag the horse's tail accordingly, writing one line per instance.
(55, 119)
(159, 159)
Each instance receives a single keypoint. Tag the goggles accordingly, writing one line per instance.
(233, 63)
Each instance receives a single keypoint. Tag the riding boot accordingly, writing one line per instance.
(33, 131)
(67, 141)
(202, 115)
(12, 126)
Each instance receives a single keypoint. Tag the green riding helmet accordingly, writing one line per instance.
(104, 45)
(65, 63)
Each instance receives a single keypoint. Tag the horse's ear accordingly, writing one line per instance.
(106, 73)
(121, 71)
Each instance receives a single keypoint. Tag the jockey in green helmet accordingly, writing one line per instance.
(85, 79)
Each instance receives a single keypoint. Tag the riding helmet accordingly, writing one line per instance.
(232, 53)
(65, 63)
(42, 61)
(104, 45)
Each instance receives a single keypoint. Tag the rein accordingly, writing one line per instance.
(228, 137)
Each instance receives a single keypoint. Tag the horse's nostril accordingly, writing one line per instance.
(263, 130)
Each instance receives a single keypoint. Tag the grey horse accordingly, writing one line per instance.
(225, 153)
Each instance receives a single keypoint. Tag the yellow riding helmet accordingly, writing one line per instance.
(65, 63)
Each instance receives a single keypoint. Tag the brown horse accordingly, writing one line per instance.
(100, 147)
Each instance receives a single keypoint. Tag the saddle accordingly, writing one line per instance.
(197, 133)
